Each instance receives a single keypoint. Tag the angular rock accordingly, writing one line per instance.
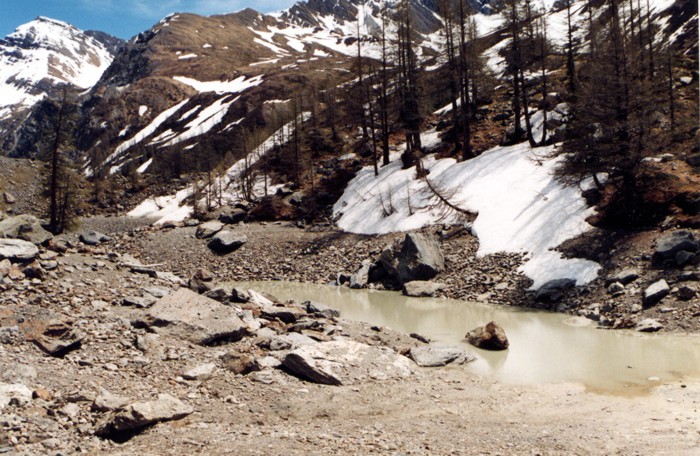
(625, 277)
(10, 198)
(289, 341)
(345, 362)
(684, 257)
(239, 363)
(287, 314)
(208, 229)
(686, 293)
(439, 355)
(93, 238)
(616, 288)
(59, 338)
(489, 337)
(649, 325)
(196, 318)
(669, 245)
(422, 288)
(138, 301)
(201, 372)
(221, 294)
(127, 420)
(313, 307)
(5, 267)
(420, 258)
(16, 393)
(17, 250)
(234, 216)
(25, 227)
(226, 242)
(655, 293)
(360, 278)
(553, 290)
(107, 401)
(239, 296)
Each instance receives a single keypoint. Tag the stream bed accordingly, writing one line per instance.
(545, 347)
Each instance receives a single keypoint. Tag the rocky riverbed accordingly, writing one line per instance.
(96, 359)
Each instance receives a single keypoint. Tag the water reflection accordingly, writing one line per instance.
(543, 348)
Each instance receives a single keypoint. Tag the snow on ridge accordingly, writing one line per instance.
(521, 207)
(207, 119)
(237, 85)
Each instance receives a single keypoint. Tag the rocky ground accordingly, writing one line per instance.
(131, 375)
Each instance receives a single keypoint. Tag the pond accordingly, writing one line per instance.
(545, 347)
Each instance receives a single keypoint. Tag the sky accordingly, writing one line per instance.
(121, 18)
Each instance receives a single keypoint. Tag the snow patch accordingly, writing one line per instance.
(236, 86)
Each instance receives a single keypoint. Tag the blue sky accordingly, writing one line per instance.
(122, 18)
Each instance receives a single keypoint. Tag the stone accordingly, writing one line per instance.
(226, 242)
(25, 227)
(296, 199)
(360, 278)
(17, 250)
(93, 238)
(196, 318)
(201, 372)
(208, 229)
(59, 338)
(289, 341)
(234, 216)
(156, 292)
(420, 258)
(649, 325)
(287, 314)
(689, 276)
(616, 288)
(553, 290)
(669, 245)
(5, 266)
(239, 295)
(10, 198)
(345, 362)
(138, 301)
(240, 363)
(686, 293)
(313, 307)
(422, 288)
(683, 257)
(439, 355)
(201, 281)
(221, 294)
(129, 419)
(14, 393)
(489, 337)
(655, 293)
(107, 401)
(625, 277)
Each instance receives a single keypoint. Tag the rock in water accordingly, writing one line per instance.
(345, 362)
(437, 355)
(553, 290)
(17, 250)
(208, 229)
(129, 419)
(422, 288)
(226, 242)
(649, 325)
(655, 293)
(25, 227)
(420, 258)
(489, 337)
(196, 318)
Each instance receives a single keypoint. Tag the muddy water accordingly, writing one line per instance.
(544, 347)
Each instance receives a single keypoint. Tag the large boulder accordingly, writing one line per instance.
(129, 419)
(234, 216)
(439, 355)
(345, 362)
(196, 318)
(208, 229)
(553, 290)
(655, 293)
(226, 242)
(670, 245)
(420, 258)
(17, 250)
(489, 337)
(25, 227)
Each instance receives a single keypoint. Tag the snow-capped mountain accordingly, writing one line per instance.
(37, 57)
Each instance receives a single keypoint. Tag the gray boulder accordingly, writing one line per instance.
(93, 238)
(17, 250)
(649, 325)
(201, 372)
(226, 242)
(208, 229)
(360, 278)
(420, 258)
(655, 293)
(553, 290)
(313, 307)
(345, 362)
(438, 355)
(188, 315)
(625, 277)
(668, 246)
(422, 288)
(234, 216)
(25, 227)
(138, 415)
(489, 337)
(107, 401)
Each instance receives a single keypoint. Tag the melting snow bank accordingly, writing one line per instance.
(521, 207)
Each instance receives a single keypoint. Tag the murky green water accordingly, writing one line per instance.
(544, 347)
